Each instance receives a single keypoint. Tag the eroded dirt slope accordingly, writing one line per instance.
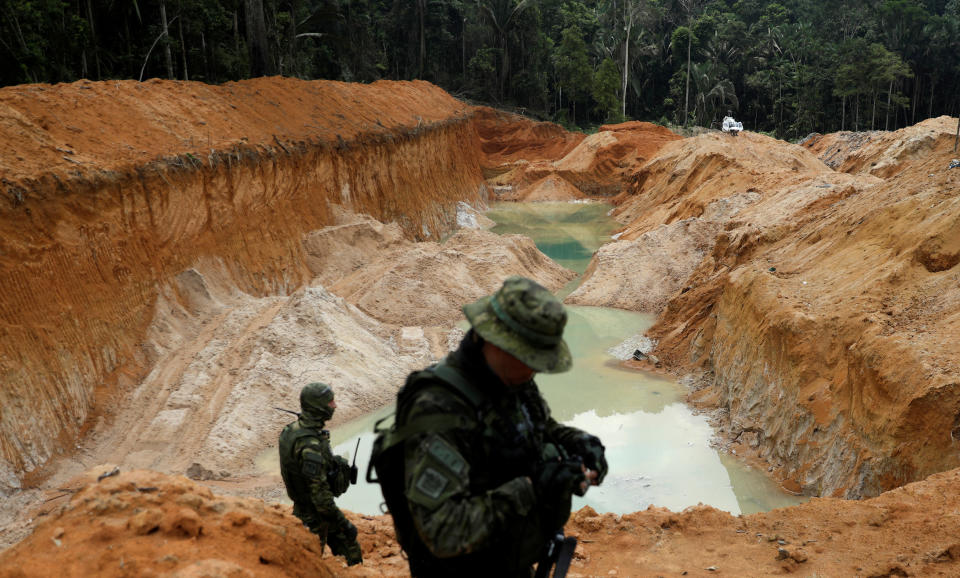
(146, 524)
(427, 284)
(507, 138)
(601, 164)
(222, 359)
(826, 309)
(111, 190)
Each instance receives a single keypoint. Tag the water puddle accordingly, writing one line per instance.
(658, 450)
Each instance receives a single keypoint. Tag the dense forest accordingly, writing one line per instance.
(787, 68)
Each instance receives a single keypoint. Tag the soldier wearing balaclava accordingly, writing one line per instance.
(314, 476)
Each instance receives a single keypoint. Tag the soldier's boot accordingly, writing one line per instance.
(353, 554)
(347, 547)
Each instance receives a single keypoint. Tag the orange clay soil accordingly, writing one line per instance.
(507, 138)
(825, 309)
(600, 164)
(110, 190)
(146, 524)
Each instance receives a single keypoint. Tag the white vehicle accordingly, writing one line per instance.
(730, 125)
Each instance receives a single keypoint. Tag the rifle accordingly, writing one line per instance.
(353, 467)
(287, 410)
(559, 552)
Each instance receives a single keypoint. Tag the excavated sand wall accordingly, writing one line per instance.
(825, 315)
(86, 244)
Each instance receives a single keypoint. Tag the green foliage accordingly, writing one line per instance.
(679, 38)
(784, 67)
(606, 85)
(574, 75)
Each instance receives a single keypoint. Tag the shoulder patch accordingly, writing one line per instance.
(431, 483)
(312, 464)
(446, 455)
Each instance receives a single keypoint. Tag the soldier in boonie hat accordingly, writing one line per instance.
(525, 320)
(476, 473)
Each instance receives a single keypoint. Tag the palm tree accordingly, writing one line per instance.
(713, 92)
(503, 16)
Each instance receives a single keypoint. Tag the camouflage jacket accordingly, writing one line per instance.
(313, 476)
(469, 489)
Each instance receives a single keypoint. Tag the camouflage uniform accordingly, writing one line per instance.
(484, 497)
(314, 476)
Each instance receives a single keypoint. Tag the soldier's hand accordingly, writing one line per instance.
(594, 456)
(589, 479)
(557, 479)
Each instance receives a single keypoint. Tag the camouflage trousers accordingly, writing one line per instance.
(341, 539)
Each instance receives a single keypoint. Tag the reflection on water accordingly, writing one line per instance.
(568, 233)
(657, 449)
(659, 459)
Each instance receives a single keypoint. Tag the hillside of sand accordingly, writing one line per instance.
(821, 306)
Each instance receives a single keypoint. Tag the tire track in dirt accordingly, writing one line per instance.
(228, 364)
(167, 416)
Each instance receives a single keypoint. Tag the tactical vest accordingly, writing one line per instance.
(298, 483)
(500, 442)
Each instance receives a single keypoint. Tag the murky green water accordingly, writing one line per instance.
(568, 232)
(658, 450)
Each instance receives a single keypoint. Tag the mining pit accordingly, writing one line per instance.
(176, 259)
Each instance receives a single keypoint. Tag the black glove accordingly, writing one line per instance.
(555, 482)
(593, 453)
(555, 479)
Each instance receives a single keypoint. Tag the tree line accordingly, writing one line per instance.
(788, 68)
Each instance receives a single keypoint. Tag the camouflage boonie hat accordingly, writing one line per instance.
(524, 319)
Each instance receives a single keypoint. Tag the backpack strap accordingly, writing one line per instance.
(454, 381)
(452, 376)
(449, 377)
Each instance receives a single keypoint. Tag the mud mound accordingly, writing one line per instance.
(835, 148)
(824, 537)
(886, 154)
(641, 275)
(552, 188)
(427, 284)
(687, 175)
(334, 252)
(223, 360)
(145, 524)
(600, 165)
(603, 162)
(506, 138)
(648, 138)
